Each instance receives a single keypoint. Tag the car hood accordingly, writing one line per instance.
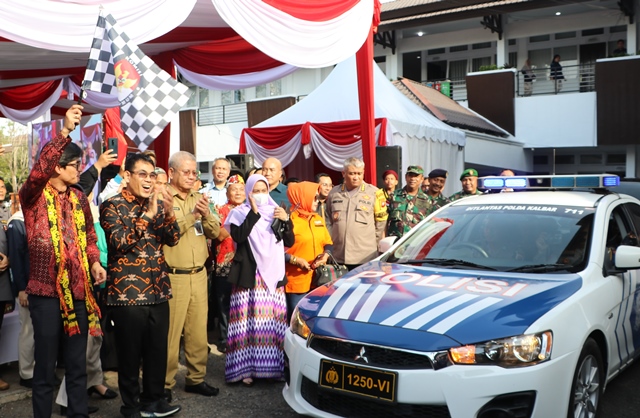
(430, 309)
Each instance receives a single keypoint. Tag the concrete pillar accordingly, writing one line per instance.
(523, 51)
(632, 32)
(392, 65)
(398, 55)
(630, 171)
(502, 54)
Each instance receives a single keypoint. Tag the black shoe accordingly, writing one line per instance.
(167, 395)
(159, 409)
(108, 394)
(27, 383)
(92, 410)
(203, 389)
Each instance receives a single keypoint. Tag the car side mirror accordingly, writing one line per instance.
(627, 257)
(386, 243)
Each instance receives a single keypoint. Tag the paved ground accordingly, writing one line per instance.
(264, 399)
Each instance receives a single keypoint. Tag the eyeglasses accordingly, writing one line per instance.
(143, 175)
(187, 173)
(75, 165)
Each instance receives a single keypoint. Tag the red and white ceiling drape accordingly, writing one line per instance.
(232, 45)
(332, 142)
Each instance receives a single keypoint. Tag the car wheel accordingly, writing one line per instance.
(588, 381)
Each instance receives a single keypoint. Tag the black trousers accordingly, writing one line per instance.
(222, 293)
(47, 332)
(3, 306)
(141, 334)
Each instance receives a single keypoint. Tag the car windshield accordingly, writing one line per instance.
(519, 238)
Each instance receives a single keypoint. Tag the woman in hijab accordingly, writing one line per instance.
(312, 241)
(225, 250)
(258, 309)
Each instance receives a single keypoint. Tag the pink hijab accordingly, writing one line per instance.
(268, 253)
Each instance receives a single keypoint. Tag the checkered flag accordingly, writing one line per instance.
(149, 97)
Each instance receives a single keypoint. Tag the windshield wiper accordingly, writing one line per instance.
(452, 262)
(531, 268)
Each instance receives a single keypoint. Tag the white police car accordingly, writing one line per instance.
(502, 305)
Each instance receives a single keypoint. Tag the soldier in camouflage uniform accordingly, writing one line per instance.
(409, 205)
(469, 180)
(437, 180)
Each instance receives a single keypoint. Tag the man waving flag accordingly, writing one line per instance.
(149, 97)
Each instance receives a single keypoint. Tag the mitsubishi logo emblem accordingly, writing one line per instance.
(361, 356)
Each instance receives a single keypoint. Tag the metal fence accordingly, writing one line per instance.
(216, 115)
(577, 78)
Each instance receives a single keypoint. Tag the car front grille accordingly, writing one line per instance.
(375, 356)
(336, 403)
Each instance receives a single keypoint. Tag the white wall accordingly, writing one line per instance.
(487, 151)
(557, 121)
(302, 82)
(218, 140)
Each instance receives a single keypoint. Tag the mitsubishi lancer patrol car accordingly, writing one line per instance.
(519, 304)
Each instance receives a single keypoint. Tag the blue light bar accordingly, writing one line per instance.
(492, 183)
(591, 181)
(562, 182)
(515, 182)
(611, 181)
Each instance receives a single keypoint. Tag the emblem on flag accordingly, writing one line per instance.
(149, 97)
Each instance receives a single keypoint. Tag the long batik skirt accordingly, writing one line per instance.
(257, 324)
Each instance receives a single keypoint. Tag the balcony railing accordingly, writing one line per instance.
(216, 115)
(577, 78)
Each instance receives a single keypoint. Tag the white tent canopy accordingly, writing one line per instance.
(424, 139)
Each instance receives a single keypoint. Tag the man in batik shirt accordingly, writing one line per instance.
(137, 223)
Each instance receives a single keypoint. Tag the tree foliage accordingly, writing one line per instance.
(14, 165)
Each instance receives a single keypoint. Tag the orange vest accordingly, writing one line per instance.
(311, 237)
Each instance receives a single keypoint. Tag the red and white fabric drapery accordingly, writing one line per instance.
(332, 142)
(231, 45)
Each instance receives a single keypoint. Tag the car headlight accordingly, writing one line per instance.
(518, 351)
(298, 325)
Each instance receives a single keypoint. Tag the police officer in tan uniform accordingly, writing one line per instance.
(352, 207)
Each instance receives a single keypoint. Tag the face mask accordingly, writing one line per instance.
(261, 198)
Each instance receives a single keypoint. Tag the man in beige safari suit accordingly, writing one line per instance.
(352, 207)
(188, 307)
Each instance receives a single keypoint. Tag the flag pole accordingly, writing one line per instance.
(81, 96)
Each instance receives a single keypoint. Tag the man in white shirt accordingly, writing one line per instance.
(216, 191)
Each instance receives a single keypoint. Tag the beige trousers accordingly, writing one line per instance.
(188, 310)
(26, 343)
